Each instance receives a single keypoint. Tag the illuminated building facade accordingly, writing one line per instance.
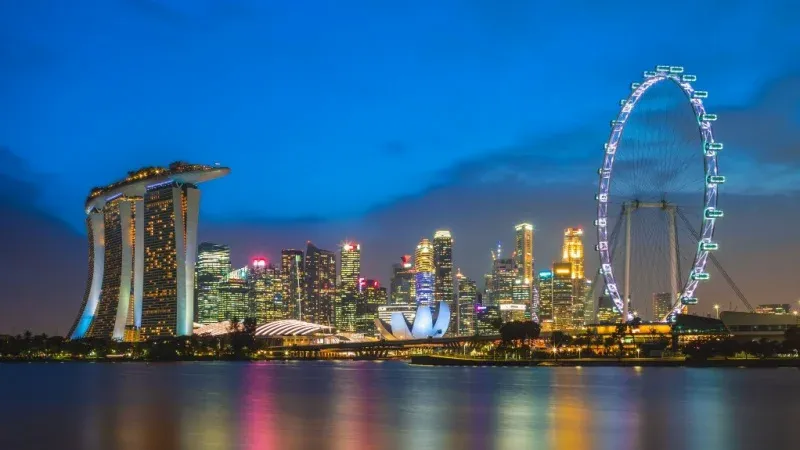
(142, 247)
(426, 324)
(424, 273)
(524, 251)
(235, 296)
(521, 297)
(774, 308)
(544, 285)
(503, 276)
(606, 310)
(293, 281)
(467, 299)
(563, 297)
(373, 296)
(213, 265)
(572, 253)
(443, 267)
(320, 267)
(349, 297)
(487, 320)
(402, 282)
(408, 311)
(266, 292)
(662, 305)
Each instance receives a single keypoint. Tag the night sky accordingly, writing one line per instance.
(378, 122)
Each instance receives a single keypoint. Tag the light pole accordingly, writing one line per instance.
(716, 308)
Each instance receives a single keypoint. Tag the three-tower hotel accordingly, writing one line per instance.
(142, 244)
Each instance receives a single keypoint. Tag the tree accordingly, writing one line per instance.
(234, 325)
(250, 326)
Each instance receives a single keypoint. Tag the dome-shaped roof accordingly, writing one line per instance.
(291, 328)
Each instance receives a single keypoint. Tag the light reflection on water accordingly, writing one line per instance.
(390, 405)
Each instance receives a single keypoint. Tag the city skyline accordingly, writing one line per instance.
(441, 152)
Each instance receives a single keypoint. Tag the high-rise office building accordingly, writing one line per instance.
(293, 282)
(266, 292)
(503, 275)
(563, 298)
(320, 268)
(350, 263)
(424, 273)
(467, 298)
(523, 251)
(213, 265)
(235, 296)
(488, 296)
(544, 284)
(373, 295)
(402, 282)
(606, 310)
(142, 247)
(662, 305)
(443, 267)
(487, 320)
(349, 296)
(572, 253)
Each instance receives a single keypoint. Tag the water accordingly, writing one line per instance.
(390, 405)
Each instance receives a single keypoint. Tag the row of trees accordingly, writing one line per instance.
(240, 343)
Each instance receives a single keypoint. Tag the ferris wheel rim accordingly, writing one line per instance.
(710, 191)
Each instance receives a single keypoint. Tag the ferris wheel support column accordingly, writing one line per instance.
(627, 297)
(673, 252)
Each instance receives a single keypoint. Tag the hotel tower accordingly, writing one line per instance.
(142, 250)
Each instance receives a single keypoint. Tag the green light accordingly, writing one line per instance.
(709, 246)
(700, 276)
(715, 179)
(713, 213)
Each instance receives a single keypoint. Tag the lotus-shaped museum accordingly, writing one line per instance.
(423, 327)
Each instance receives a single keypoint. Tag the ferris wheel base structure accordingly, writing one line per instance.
(683, 295)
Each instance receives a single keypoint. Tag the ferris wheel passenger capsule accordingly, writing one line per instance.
(688, 300)
(635, 85)
(709, 246)
(649, 74)
(713, 213)
(708, 117)
(700, 276)
(714, 146)
(662, 69)
(676, 69)
(687, 78)
(715, 179)
(700, 94)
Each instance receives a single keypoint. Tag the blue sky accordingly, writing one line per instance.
(336, 115)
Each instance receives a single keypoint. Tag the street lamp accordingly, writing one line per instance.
(716, 308)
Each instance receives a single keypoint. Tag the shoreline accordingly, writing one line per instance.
(449, 361)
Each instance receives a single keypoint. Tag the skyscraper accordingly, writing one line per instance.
(402, 281)
(523, 253)
(320, 267)
(662, 305)
(424, 275)
(266, 292)
(234, 296)
(467, 298)
(545, 289)
(443, 267)
(142, 247)
(373, 295)
(213, 265)
(293, 282)
(563, 308)
(350, 261)
(503, 276)
(572, 253)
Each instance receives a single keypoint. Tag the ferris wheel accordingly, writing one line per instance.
(662, 206)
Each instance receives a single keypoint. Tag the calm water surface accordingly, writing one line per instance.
(390, 405)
